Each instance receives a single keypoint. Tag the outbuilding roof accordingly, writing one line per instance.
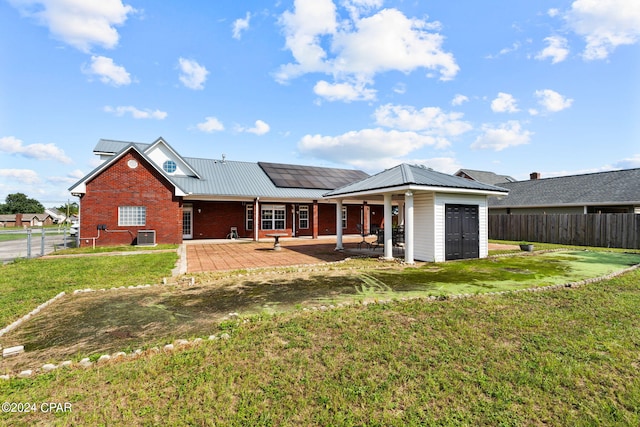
(602, 188)
(406, 175)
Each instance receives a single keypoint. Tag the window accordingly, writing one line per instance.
(344, 217)
(169, 166)
(303, 215)
(132, 215)
(273, 217)
(249, 217)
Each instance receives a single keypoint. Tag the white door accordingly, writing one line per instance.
(187, 222)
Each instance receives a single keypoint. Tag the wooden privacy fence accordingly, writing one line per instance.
(603, 230)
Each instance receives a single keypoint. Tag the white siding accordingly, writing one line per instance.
(423, 231)
(160, 153)
(463, 199)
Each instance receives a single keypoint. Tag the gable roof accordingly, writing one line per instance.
(227, 179)
(405, 176)
(602, 188)
(487, 177)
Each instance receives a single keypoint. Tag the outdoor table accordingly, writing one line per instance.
(276, 244)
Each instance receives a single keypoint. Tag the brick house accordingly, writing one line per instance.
(149, 191)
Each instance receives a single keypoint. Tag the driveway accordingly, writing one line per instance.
(12, 249)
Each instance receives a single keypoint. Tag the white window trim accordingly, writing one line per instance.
(273, 219)
(250, 221)
(344, 217)
(305, 209)
(132, 216)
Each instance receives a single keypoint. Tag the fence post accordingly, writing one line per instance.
(42, 243)
(28, 243)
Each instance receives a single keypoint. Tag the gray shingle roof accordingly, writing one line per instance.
(405, 174)
(614, 187)
(485, 176)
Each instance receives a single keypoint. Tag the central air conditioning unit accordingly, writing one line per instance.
(146, 237)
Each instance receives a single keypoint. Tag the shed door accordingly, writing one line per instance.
(462, 228)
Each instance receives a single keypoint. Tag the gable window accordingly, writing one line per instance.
(169, 166)
(273, 217)
(303, 215)
(249, 217)
(344, 217)
(132, 215)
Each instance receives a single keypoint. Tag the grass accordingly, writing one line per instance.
(25, 284)
(108, 249)
(567, 357)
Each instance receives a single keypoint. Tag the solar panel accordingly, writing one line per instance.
(299, 176)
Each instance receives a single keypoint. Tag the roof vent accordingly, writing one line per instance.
(224, 158)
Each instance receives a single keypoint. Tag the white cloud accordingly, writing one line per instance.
(629, 162)
(71, 178)
(240, 25)
(459, 100)
(552, 101)
(346, 92)
(81, 24)
(260, 128)
(553, 12)
(556, 49)
(605, 25)
(136, 113)
(12, 145)
(366, 145)
(400, 88)
(107, 71)
(504, 103)
(210, 124)
(24, 176)
(509, 134)
(429, 121)
(193, 75)
(343, 49)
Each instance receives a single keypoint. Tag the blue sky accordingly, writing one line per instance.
(507, 86)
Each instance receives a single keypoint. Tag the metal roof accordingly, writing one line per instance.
(613, 187)
(405, 175)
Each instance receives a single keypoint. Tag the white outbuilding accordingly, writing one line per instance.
(444, 217)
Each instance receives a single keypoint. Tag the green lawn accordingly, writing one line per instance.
(25, 284)
(567, 357)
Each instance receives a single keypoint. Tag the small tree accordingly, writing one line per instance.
(69, 209)
(20, 203)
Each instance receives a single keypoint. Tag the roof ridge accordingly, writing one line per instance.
(407, 173)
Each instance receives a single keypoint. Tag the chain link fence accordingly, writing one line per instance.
(33, 242)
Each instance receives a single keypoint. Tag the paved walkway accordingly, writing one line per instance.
(231, 255)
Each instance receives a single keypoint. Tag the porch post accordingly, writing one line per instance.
(339, 246)
(256, 219)
(388, 227)
(408, 228)
(315, 220)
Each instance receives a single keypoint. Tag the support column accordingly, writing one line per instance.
(366, 221)
(401, 214)
(408, 228)
(388, 227)
(339, 246)
(256, 219)
(314, 233)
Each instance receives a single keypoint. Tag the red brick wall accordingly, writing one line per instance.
(119, 185)
(213, 220)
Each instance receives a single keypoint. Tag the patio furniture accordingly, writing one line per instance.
(364, 234)
(379, 239)
(276, 236)
(233, 234)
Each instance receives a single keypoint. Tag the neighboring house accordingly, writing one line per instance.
(444, 218)
(602, 192)
(484, 176)
(25, 220)
(142, 187)
(56, 215)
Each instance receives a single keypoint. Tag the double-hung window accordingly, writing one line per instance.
(249, 217)
(303, 216)
(344, 217)
(273, 217)
(132, 216)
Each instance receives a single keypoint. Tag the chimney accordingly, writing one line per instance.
(534, 175)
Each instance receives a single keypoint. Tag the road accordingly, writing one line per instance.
(12, 249)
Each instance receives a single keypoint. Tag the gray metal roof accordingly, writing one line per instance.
(222, 178)
(614, 187)
(485, 176)
(405, 174)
